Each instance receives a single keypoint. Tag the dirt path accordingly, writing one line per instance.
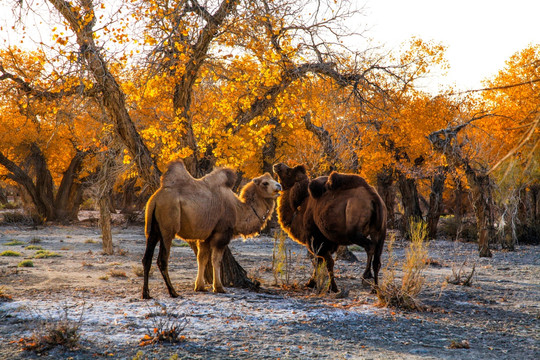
(498, 316)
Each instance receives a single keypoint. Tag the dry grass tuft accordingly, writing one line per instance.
(4, 296)
(45, 254)
(26, 263)
(281, 259)
(117, 273)
(10, 253)
(322, 280)
(459, 278)
(463, 344)
(138, 270)
(403, 294)
(14, 242)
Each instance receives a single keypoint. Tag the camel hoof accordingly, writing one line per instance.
(311, 284)
(174, 295)
(199, 289)
(219, 290)
(146, 297)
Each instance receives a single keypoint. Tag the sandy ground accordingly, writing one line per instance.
(498, 316)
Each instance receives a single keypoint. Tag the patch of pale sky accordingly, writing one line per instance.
(480, 35)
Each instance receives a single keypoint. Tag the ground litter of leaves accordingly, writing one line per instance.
(496, 318)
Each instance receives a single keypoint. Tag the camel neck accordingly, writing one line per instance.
(263, 218)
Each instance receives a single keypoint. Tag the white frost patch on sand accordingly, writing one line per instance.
(121, 321)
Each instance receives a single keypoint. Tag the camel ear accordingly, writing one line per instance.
(299, 173)
(300, 168)
(257, 180)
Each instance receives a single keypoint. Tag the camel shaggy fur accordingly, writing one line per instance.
(340, 209)
(205, 211)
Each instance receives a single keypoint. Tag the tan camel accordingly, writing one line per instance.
(207, 211)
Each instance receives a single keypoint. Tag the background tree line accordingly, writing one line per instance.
(114, 92)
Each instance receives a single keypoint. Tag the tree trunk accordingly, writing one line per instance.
(343, 253)
(3, 196)
(458, 206)
(105, 224)
(40, 192)
(410, 201)
(535, 203)
(232, 274)
(445, 142)
(435, 202)
(482, 193)
(269, 147)
(70, 192)
(386, 190)
(329, 153)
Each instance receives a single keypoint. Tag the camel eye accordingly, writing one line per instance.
(265, 183)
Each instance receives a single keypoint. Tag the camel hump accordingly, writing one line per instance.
(317, 187)
(221, 177)
(175, 175)
(337, 181)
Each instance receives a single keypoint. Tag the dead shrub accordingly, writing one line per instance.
(403, 294)
(165, 326)
(15, 217)
(458, 277)
(62, 332)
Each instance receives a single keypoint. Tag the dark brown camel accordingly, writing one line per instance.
(341, 210)
(207, 211)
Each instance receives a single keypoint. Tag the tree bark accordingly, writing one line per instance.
(482, 191)
(385, 188)
(105, 225)
(329, 153)
(435, 202)
(410, 202)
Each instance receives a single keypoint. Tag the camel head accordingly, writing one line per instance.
(266, 186)
(288, 176)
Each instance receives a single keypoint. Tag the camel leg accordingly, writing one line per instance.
(217, 256)
(203, 254)
(367, 272)
(377, 257)
(163, 262)
(312, 282)
(330, 267)
(151, 243)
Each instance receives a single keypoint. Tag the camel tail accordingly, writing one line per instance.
(378, 234)
(151, 226)
(378, 219)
